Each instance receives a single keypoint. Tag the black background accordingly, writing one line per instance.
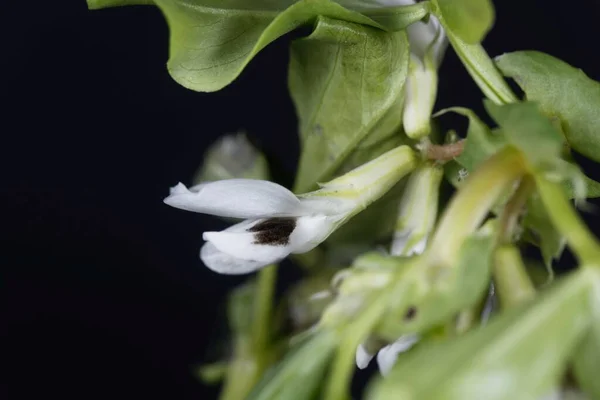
(103, 294)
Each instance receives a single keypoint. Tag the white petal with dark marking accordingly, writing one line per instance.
(263, 240)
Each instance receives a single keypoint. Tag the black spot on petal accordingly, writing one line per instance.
(273, 231)
(410, 313)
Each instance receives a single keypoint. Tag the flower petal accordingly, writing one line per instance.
(386, 358)
(265, 241)
(241, 242)
(363, 357)
(311, 231)
(422, 34)
(223, 263)
(237, 198)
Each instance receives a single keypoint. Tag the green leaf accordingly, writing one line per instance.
(344, 79)
(391, 18)
(562, 91)
(213, 40)
(299, 374)
(434, 294)
(480, 142)
(586, 360)
(519, 355)
(470, 20)
(546, 236)
(481, 68)
(525, 127)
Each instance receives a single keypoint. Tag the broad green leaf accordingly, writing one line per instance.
(470, 20)
(299, 374)
(586, 360)
(481, 68)
(480, 142)
(519, 355)
(525, 127)
(213, 40)
(561, 91)
(344, 79)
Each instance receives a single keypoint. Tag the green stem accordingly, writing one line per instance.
(509, 219)
(242, 373)
(568, 222)
(511, 280)
(263, 306)
(354, 334)
(252, 352)
(473, 201)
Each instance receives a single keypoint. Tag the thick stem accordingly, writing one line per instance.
(511, 280)
(568, 222)
(263, 306)
(473, 201)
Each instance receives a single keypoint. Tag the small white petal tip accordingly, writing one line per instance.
(363, 357)
(386, 358)
(180, 188)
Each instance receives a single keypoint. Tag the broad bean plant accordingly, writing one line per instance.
(438, 292)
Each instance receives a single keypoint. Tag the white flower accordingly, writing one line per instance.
(277, 222)
(428, 44)
(386, 356)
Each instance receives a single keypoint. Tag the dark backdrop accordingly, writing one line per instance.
(103, 292)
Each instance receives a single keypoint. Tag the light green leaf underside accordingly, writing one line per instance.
(481, 68)
(561, 91)
(344, 79)
(507, 359)
(468, 19)
(525, 127)
(213, 40)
